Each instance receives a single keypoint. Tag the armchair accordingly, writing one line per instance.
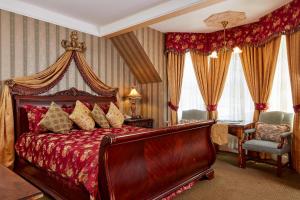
(251, 143)
(194, 114)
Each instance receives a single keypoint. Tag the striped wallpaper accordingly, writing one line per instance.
(28, 46)
(155, 104)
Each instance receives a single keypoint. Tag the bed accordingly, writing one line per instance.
(139, 164)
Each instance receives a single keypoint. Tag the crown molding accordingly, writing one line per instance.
(141, 19)
(42, 14)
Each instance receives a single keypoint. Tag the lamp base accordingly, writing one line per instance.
(133, 109)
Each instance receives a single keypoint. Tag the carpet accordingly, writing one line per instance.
(256, 182)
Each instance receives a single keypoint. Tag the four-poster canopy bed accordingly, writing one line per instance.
(146, 164)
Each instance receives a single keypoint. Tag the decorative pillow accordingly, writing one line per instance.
(56, 120)
(270, 132)
(82, 117)
(105, 107)
(99, 117)
(114, 116)
(35, 114)
(67, 109)
(82, 107)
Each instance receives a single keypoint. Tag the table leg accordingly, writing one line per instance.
(240, 139)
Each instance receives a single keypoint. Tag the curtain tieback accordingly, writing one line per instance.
(261, 106)
(172, 106)
(212, 107)
(296, 108)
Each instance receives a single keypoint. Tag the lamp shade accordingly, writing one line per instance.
(134, 94)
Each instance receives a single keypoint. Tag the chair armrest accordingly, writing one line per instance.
(248, 133)
(285, 134)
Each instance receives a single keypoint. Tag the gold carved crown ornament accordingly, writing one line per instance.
(73, 45)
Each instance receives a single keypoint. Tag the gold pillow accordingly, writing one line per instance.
(82, 117)
(80, 106)
(56, 120)
(99, 117)
(114, 116)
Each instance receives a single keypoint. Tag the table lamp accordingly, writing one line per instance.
(133, 96)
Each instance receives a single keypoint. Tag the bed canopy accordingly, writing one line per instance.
(42, 82)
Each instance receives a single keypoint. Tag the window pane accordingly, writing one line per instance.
(281, 95)
(236, 102)
(190, 94)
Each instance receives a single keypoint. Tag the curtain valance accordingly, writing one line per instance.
(39, 83)
(283, 20)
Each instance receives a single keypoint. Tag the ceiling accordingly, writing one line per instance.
(98, 12)
(98, 17)
(107, 17)
(194, 21)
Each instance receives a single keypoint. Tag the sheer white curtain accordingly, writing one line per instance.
(236, 102)
(190, 94)
(281, 95)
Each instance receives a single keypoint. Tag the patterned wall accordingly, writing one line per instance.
(156, 103)
(28, 46)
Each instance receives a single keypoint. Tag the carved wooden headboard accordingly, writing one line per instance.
(66, 97)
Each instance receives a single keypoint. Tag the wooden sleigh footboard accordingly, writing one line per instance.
(154, 164)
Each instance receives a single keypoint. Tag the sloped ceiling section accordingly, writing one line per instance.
(136, 58)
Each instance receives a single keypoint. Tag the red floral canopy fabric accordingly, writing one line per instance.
(285, 19)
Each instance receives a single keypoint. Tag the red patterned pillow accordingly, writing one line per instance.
(67, 109)
(35, 114)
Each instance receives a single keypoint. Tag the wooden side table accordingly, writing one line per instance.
(237, 129)
(14, 187)
(139, 122)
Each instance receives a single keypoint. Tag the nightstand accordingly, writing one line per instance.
(139, 122)
(14, 187)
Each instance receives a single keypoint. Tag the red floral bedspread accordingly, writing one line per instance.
(73, 156)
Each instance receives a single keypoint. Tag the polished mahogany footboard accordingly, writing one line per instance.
(154, 164)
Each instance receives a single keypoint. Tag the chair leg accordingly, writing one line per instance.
(279, 165)
(290, 160)
(243, 158)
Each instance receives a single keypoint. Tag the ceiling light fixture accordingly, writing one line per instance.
(225, 19)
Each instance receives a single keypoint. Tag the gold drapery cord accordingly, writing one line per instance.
(293, 51)
(259, 65)
(218, 69)
(175, 67)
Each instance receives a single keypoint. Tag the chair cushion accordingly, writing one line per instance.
(266, 146)
(270, 132)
